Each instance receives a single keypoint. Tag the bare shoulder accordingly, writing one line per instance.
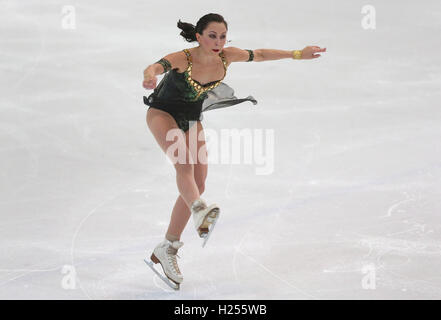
(234, 54)
(178, 60)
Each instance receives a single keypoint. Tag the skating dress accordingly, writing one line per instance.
(185, 98)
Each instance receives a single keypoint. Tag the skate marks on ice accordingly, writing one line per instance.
(24, 273)
(394, 206)
(276, 208)
(195, 286)
(402, 266)
(271, 211)
(93, 243)
(402, 250)
(106, 270)
(345, 189)
(108, 266)
(239, 251)
(397, 242)
(80, 225)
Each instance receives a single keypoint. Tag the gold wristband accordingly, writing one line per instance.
(297, 54)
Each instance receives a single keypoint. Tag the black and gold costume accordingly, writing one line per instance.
(185, 98)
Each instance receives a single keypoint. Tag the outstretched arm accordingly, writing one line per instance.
(234, 54)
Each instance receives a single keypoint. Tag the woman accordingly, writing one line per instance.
(194, 85)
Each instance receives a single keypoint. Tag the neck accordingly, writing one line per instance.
(204, 57)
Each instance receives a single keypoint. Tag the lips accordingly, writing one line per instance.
(216, 50)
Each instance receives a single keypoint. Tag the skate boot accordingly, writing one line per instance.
(204, 216)
(165, 254)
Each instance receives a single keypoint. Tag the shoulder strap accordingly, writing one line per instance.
(187, 53)
(224, 60)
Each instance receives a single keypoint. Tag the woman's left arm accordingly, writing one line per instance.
(309, 52)
(234, 54)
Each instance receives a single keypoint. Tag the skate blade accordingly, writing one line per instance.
(206, 236)
(170, 283)
(209, 219)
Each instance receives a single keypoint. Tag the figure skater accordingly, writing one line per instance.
(192, 85)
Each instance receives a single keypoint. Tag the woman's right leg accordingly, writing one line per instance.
(159, 123)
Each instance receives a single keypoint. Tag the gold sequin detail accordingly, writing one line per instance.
(197, 87)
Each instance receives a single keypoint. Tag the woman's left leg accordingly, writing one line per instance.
(181, 212)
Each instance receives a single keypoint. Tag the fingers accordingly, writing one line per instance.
(149, 84)
(318, 49)
(149, 79)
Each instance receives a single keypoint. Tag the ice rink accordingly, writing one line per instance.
(349, 210)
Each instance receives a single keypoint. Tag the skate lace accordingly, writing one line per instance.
(172, 254)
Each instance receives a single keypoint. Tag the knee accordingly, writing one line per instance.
(184, 168)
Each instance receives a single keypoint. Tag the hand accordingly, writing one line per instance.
(309, 52)
(149, 80)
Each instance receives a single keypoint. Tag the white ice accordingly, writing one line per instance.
(351, 209)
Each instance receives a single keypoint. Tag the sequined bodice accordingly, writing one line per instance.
(197, 86)
(181, 86)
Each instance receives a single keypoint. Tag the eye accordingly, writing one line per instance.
(212, 36)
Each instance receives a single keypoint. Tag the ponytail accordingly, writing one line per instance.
(188, 31)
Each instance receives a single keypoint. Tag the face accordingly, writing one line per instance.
(213, 37)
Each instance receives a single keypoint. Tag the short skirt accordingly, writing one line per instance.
(183, 112)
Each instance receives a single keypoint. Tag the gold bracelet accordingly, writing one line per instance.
(297, 54)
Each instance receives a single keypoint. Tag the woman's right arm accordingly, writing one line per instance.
(169, 62)
(150, 74)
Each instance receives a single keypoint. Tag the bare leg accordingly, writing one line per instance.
(179, 218)
(159, 123)
(181, 212)
(187, 186)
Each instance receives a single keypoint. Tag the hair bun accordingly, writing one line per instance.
(188, 31)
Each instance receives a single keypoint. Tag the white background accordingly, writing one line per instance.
(357, 158)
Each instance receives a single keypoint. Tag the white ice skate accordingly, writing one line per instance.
(204, 216)
(165, 254)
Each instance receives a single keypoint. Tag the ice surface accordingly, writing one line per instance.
(351, 209)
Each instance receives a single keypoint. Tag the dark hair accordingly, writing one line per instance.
(189, 30)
